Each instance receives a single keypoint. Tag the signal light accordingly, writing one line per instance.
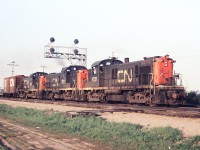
(76, 41)
(52, 39)
(75, 51)
(52, 50)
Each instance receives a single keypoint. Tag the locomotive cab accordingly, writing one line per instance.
(69, 74)
(34, 80)
(97, 76)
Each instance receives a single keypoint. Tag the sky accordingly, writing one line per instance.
(129, 28)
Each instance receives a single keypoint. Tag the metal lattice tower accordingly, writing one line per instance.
(13, 65)
(75, 55)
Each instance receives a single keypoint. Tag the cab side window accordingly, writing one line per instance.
(94, 70)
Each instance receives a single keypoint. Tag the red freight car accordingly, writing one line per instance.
(11, 84)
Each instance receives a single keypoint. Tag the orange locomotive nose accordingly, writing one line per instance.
(163, 70)
(82, 78)
(42, 83)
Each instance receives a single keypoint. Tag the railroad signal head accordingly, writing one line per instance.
(52, 39)
(52, 50)
(76, 41)
(75, 51)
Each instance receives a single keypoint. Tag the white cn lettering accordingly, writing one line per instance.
(124, 74)
(12, 84)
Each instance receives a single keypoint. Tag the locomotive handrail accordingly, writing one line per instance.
(152, 79)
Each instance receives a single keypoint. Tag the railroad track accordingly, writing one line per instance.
(192, 112)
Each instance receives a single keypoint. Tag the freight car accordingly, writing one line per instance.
(11, 84)
(150, 81)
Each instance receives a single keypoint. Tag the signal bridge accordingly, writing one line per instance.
(75, 55)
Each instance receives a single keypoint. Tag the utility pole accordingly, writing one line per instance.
(43, 68)
(13, 65)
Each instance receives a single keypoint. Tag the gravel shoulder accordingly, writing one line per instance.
(189, 126)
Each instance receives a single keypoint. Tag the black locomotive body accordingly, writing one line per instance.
(150, 81)
(61, 85)
(31, 86)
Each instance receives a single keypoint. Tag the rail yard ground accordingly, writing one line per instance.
(141, 131)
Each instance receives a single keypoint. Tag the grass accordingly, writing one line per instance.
(116, 135)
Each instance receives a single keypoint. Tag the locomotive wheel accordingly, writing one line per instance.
(43, 96)
(84, 97)
(104, 99)
(152, 101)
(152, 104)
(73, 97)
(147, 103)
(52, 97)
(27, 97)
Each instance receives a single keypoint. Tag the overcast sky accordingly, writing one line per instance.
(129, 28)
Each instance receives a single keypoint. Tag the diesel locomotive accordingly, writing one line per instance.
(150, 81)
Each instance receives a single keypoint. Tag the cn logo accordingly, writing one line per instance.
(12, 84)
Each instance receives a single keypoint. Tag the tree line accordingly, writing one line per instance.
(193, 97)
